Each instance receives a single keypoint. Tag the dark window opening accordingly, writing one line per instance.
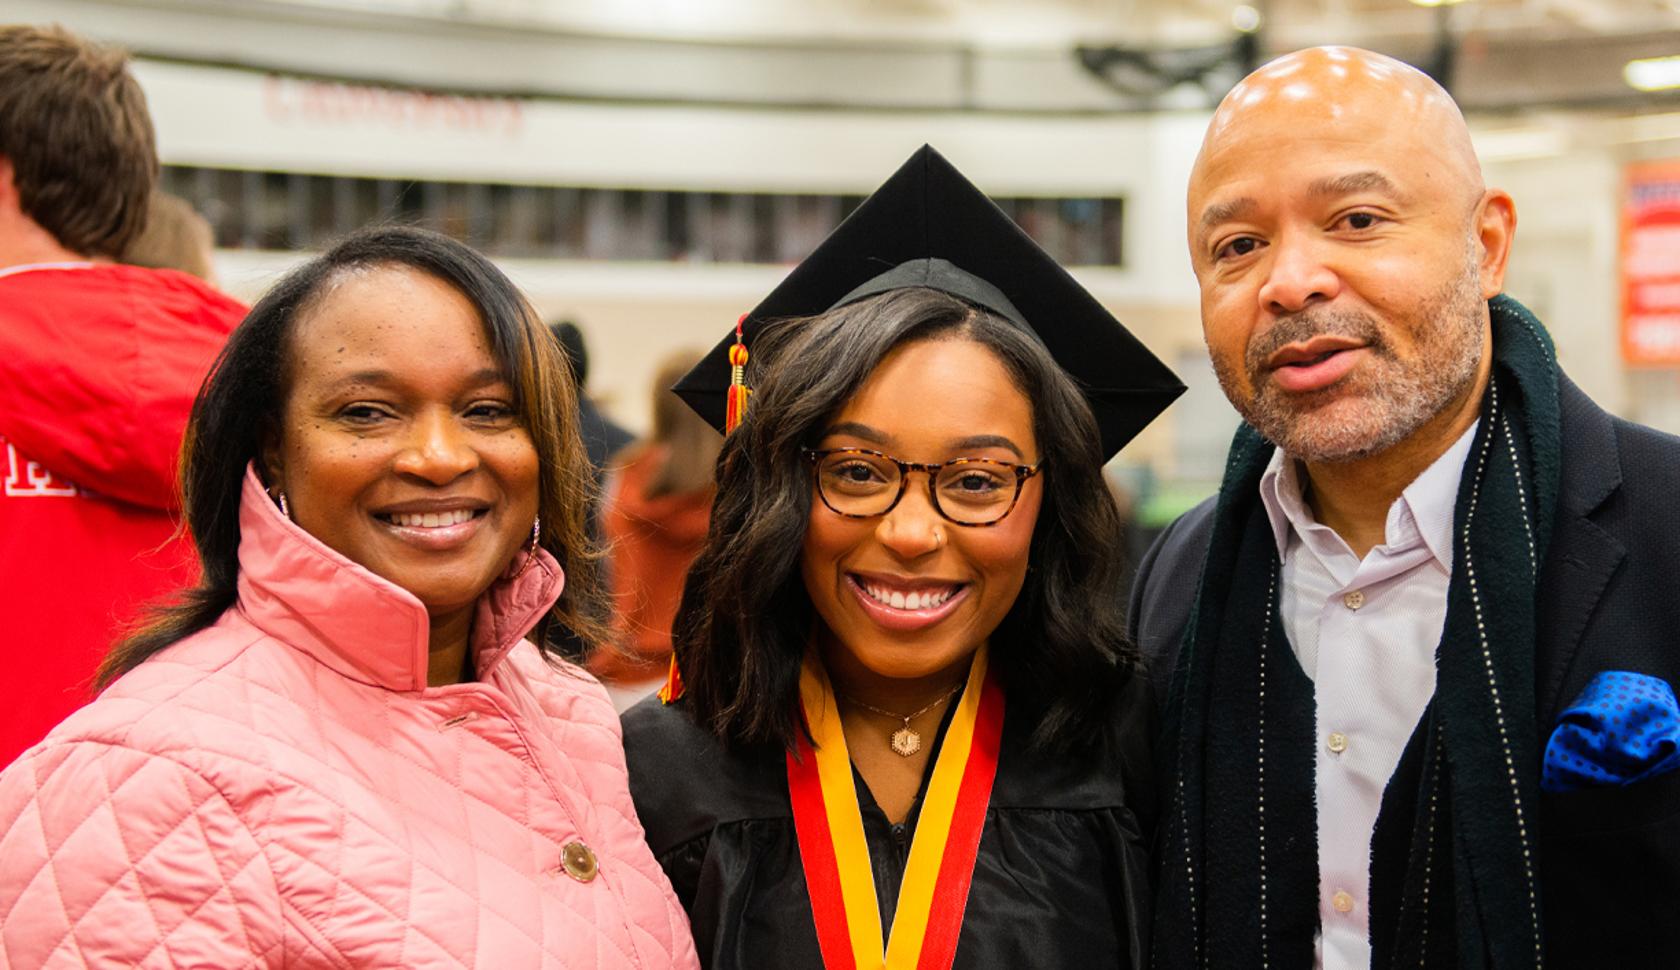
(280, 210)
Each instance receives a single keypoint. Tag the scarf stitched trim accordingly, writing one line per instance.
(1455, 878)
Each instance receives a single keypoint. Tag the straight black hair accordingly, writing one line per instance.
(1061, 652)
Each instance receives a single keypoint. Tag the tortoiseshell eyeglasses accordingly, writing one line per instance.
(861, 484)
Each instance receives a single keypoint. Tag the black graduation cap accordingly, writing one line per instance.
(929, 226)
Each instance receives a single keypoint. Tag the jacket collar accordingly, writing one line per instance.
(1594, 470)
(297, 590)
(1584, 554)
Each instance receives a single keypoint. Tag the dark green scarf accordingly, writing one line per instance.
(1455, 877)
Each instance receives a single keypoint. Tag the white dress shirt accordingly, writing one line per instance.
(1365, 632)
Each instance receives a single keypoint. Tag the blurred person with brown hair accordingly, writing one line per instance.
(176, 237)
(658, 501)
(99, 364)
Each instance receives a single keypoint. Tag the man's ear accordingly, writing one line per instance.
(1496, 226)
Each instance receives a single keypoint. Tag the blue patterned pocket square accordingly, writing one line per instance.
(1624, 728)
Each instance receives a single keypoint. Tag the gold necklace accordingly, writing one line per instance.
(904, 741)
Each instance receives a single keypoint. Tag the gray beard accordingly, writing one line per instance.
(1393, 398)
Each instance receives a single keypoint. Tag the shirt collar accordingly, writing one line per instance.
(1433, 496)
(1280, 493)
(1429, 500)
(34, 267)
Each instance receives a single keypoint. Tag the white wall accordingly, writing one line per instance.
(627, 52)
(1565, 172)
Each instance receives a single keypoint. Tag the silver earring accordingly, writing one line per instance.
(531, 554)
(285, 509)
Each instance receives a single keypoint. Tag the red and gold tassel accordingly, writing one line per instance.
(673, 688)
(735, 408)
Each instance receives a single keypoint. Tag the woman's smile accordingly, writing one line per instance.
(443, 527)
(905, 605)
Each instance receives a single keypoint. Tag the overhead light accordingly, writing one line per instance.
(1438, 3)
(1652, 73)
(1245, 18)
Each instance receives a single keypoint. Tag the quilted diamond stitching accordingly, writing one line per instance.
(52, 860)
(146, 765)
(336, 874)
(105, 805)
(585, 745)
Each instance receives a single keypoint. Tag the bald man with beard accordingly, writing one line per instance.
(1417, 657)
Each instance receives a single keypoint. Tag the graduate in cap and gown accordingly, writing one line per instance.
(905, 727)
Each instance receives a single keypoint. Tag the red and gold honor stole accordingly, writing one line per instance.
(934, 893)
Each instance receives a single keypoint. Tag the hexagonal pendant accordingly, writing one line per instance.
(906, 742)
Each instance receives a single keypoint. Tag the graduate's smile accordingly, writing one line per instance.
(906, 604)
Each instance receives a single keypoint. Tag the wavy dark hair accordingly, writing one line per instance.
(238, 410)
(740, 635)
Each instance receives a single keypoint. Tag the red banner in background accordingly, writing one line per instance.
(1651, 264)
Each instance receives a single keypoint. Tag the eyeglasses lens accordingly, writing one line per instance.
(975, 491)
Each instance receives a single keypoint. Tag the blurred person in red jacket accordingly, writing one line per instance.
(99, 364)
(653, 517)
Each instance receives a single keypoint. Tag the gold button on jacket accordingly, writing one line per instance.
(579, 861)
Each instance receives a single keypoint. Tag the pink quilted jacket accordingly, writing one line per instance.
(284, 790)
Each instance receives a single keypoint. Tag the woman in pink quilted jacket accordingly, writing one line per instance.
(341, 749)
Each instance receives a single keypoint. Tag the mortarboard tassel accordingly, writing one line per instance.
(735, 409)
(673, 688)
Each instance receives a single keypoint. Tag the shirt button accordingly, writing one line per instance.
(1336, 742)
(1343, 901)
(1354, 600)
(578, 861)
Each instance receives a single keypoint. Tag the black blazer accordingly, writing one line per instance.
(1609, 599)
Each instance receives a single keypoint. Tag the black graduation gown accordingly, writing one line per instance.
(1061, 877)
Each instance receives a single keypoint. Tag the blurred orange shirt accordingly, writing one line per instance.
(651, 543)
